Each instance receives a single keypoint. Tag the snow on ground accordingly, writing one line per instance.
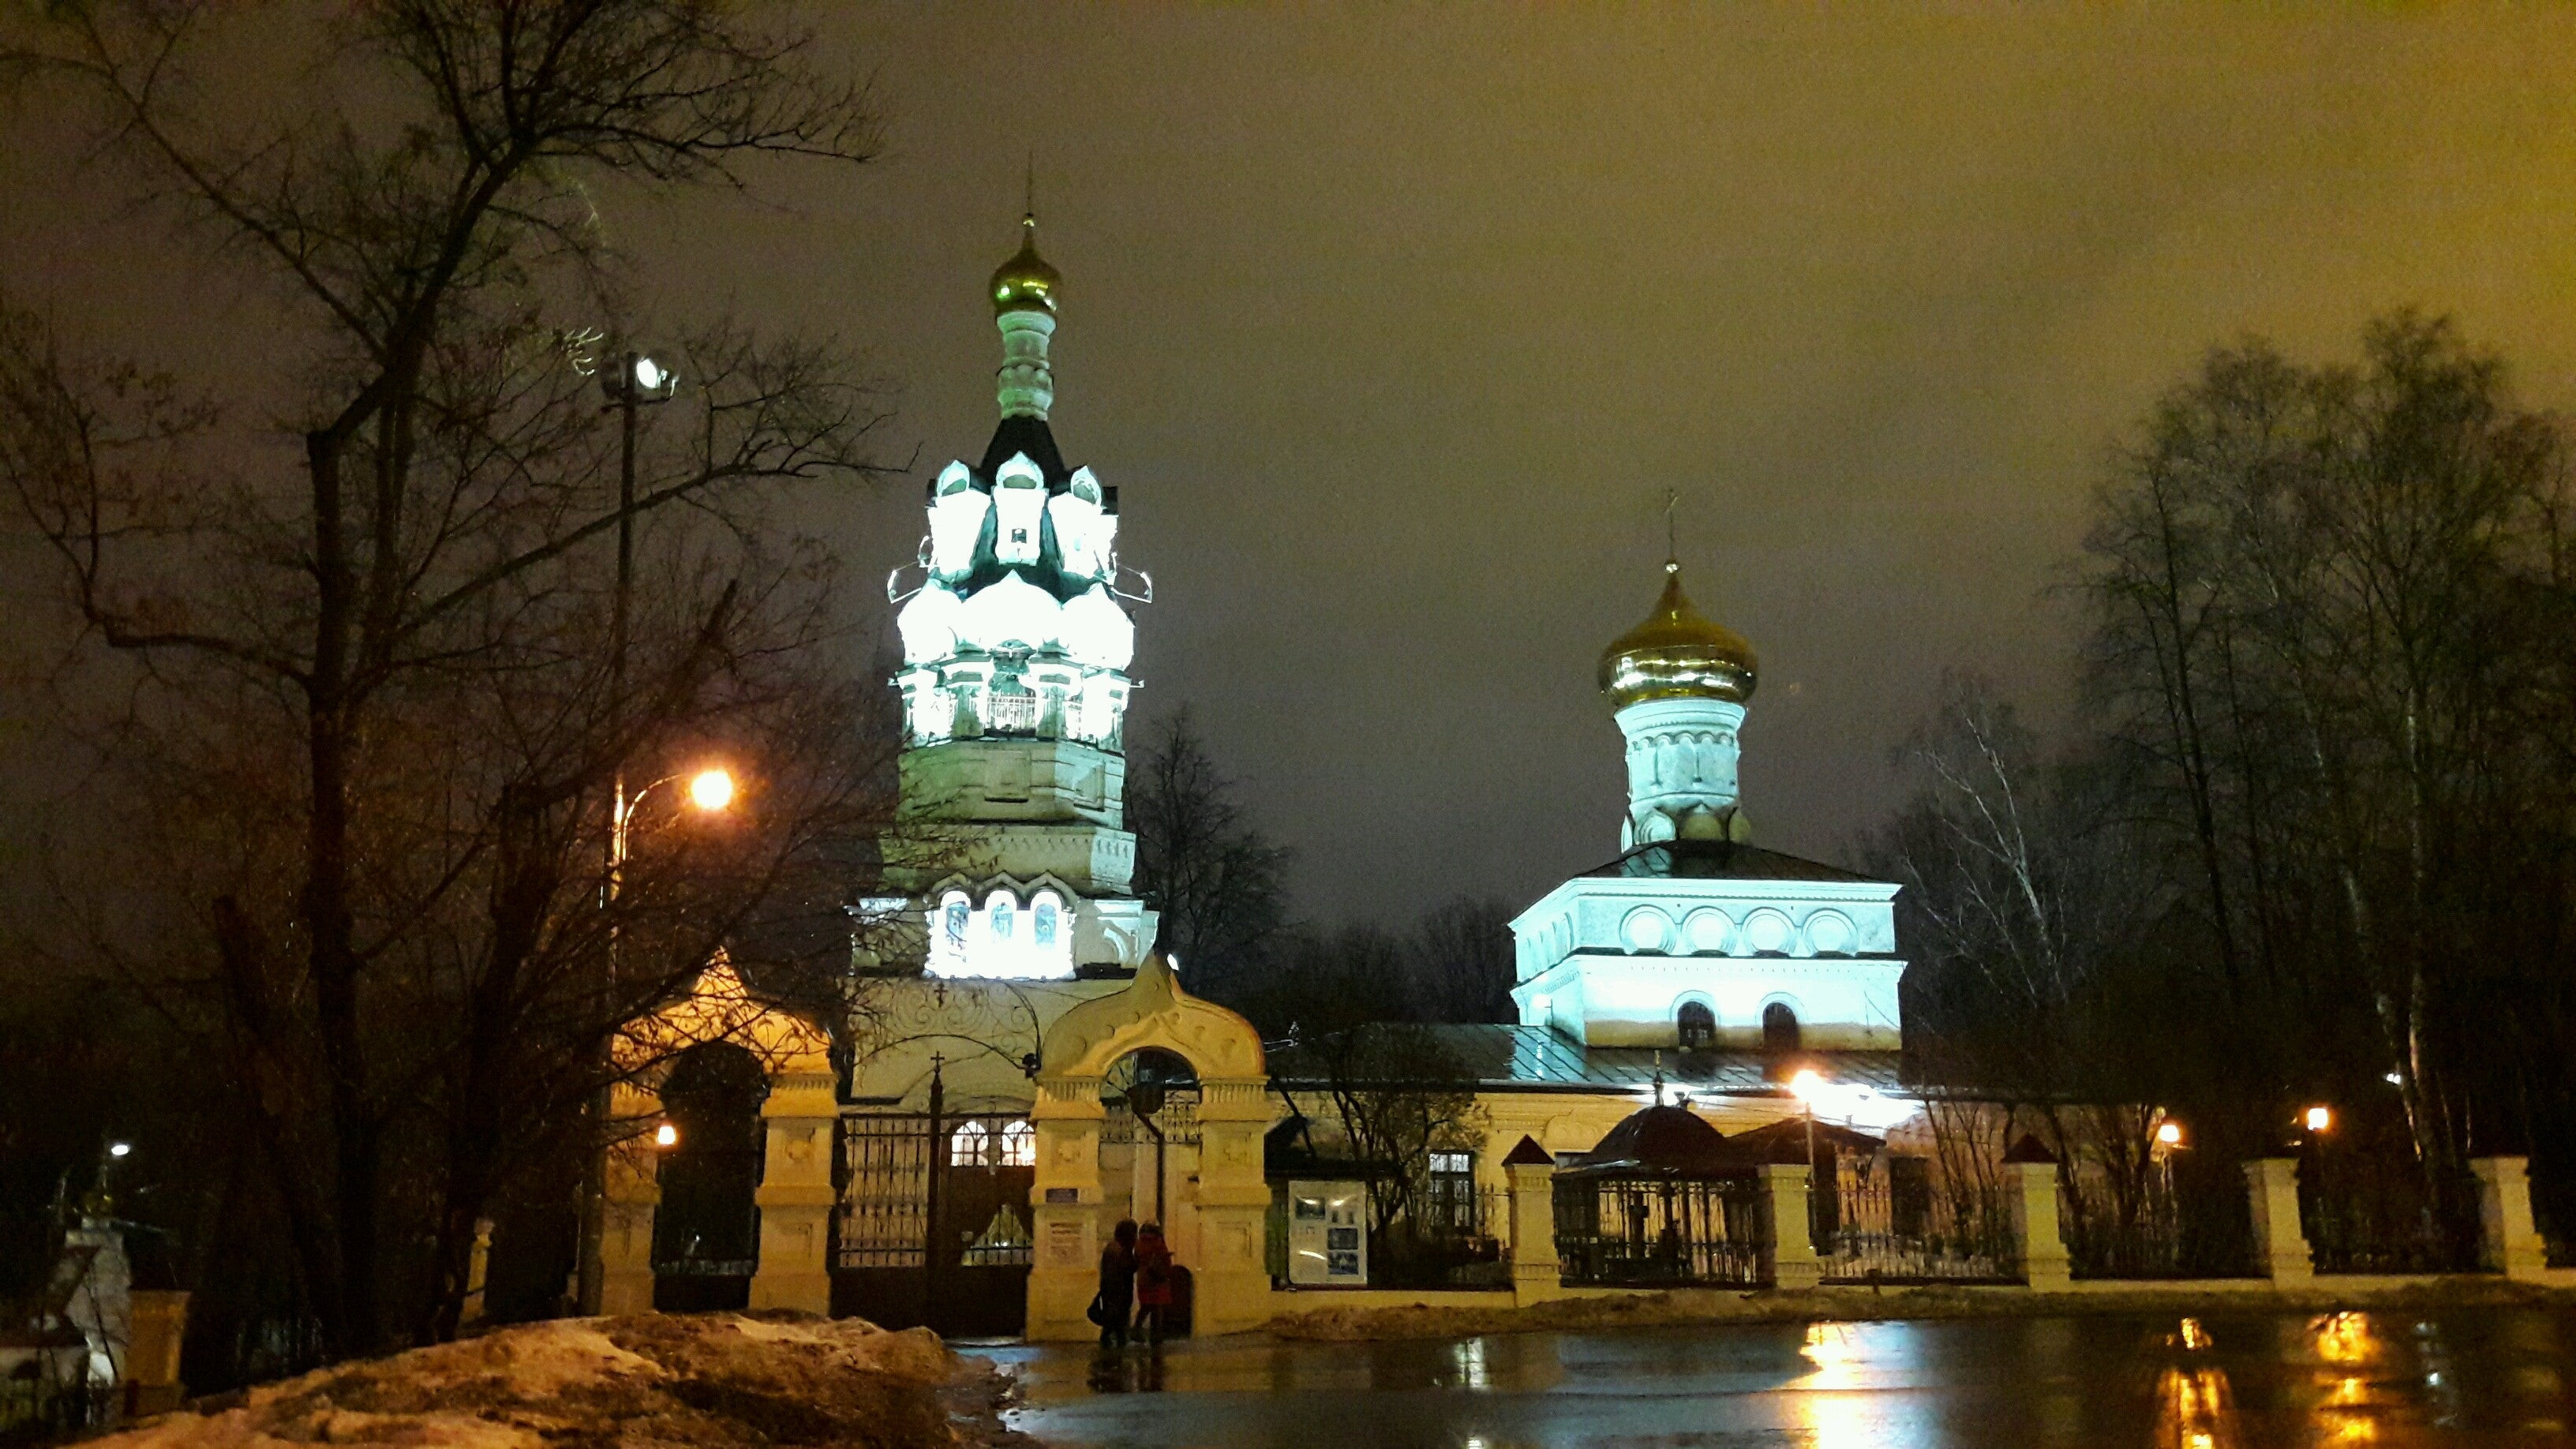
(709, 1379)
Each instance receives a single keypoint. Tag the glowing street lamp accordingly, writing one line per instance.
(2170, 1134)
(666, 1135)
(2319, 1119)
(119, 1149)
(711, 790)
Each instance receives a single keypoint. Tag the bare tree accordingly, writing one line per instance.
(2327, 603)
(1218, 882)
(387, 665)
(1459, 961)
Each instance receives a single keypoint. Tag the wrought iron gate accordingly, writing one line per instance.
(933, 1223)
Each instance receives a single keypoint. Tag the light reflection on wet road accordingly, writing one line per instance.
(2482, 1377)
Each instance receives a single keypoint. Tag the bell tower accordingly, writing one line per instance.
(1016, 644)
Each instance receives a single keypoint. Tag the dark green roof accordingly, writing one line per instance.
(1723, 860)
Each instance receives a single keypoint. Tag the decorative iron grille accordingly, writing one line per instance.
(1661, 1231)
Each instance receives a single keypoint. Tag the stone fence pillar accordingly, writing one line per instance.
(2280, 1248)
(158, 1324)
(795, 1195)
(1536, 1275)
(2045, 1263)
(2508, 1241)
(1790, 1256)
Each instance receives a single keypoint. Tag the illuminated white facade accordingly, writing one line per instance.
(1694, 936)
(1016, 643)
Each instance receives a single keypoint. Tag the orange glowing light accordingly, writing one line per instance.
(711, 789)
(666, 1135)
(2319, 1119)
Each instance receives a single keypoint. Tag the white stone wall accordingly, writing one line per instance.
(1608, 960)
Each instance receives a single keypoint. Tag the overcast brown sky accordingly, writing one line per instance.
(1393, 328)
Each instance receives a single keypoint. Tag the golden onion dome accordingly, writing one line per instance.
(1677, 654)
(1025, 282)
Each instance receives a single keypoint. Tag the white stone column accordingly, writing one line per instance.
(1536, 1274)
(2280, 1247)
(1791, 1254)
(631, 1190)
(795, 1197)
(2508, 1240)
(2045, 1263)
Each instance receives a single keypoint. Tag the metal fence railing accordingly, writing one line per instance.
(37, 1411)
(2161, 1227)
(1881, 1220)
(2381, 1213)
(1639, 1231)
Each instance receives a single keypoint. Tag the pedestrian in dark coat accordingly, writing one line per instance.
(1117, 1283)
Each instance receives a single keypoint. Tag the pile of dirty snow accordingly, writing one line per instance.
(695, 1379)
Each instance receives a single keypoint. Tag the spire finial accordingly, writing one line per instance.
(1672, 548)
(1029, 193)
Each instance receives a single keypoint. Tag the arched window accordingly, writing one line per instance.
(1779, 1028)
(1019, 1145)
(953, 914)
(1001, 913)
(967, 1145)
(1043, 918)
(1698, 1025)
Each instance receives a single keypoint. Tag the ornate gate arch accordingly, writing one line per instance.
(1233, 1286)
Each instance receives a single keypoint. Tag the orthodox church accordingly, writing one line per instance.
(1019, 1068)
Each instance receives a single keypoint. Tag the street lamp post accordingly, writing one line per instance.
(638, 380)
(710, 790)
(1805, 1084)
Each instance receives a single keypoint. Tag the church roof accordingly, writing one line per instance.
(1662, 1141)
(1677, 653)
(1020, 433)
(1509, 1058)
(1690, 859)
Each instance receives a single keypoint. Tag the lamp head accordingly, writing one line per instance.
(2170, 1134)
(666, 1135)
(2319, 1119)
(711, 790)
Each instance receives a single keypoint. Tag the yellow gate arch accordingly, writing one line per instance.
(1232, 1285)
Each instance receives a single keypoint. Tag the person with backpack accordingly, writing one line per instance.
(1153, 1282)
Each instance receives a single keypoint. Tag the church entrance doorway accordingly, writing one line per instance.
(1149, 1161)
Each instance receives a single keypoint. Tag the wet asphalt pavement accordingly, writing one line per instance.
(2464, 1377)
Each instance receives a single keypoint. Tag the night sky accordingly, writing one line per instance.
(1393, 332)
